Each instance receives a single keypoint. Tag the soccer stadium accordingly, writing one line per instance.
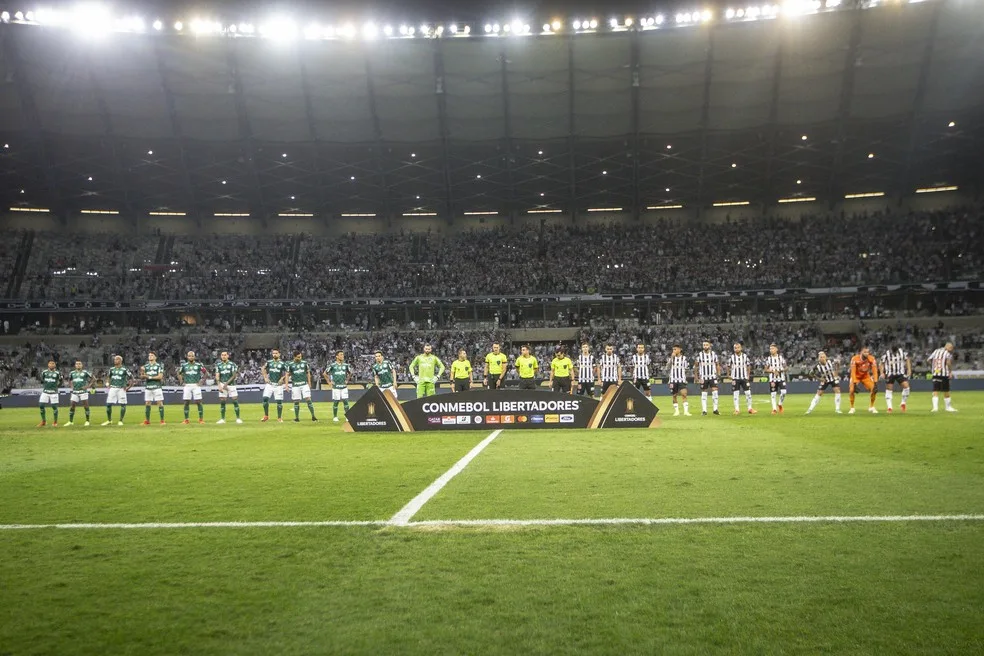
(682, 302)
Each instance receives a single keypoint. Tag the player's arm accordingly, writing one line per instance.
(908, 367)
(414, 367)
(485, 370)
(375, 378)
(309, 376)
(266, 375)
(441, 367)
(180, 377)
(874, 370)
(143, 373)
(204, 375)
(717, 367)
(129, 382)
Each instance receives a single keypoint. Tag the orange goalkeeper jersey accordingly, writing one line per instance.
(863, 367)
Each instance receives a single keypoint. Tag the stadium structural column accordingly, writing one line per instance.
(312, 130)
(635, 72)
(918, 101)
(571, 130)
(442, 118)
(245, 132)
(29, 107)
(834, 187)
(172, 114)
(507, 127)
(377, 132)
(705, 118)
(770, 195)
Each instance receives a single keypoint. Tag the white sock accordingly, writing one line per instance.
(715, 398)
(773, 394)
(936, 403)
(736, 401)
(686, 406)
(782, 397)
(888, 399)
(905, 395)
(703, 401)
(814, 402)
(946, 400)
(676, 407)
(837, 402)
(748, 398)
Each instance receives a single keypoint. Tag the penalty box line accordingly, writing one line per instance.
(490, 523)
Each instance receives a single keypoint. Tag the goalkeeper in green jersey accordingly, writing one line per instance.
(426, 369)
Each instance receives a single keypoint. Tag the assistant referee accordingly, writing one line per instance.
(495, 367)
(527, 366)
(560, 372)
(461, 372)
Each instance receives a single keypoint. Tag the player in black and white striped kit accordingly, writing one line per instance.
(897, 370)
(740, 370)
(587, 371)
(827, 377)
(775, 366)
(640, 371)
(609, 368)
(707, 370)
(941, 362)
(678, 367)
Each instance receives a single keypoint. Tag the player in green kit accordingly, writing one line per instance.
(385, 375)
(191, 373)
(274, 375)
(423, 371)
(153, 375)
(226, 373)
(299, 384)
(81, 382)
(50, 380)
(120, 382)
(337, 376)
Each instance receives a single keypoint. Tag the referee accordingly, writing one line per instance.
(527, 366)
(560, 372)
(461, 372)
(495, 367)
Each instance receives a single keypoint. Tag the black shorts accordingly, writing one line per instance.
(897, 379)
(823, 387)
(562, 385)
(462, 384)
(678, 388)
(494, 381)
(641, 384)
(740, 385)
(709, 383)
(585, 389)
(605, 384)
(777, 386)
(527, 383)
(941, 384)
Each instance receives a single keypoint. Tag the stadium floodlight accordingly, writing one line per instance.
(732, 203)
(358, 214)
(799, 182)
(161, 213)
(247, 28)
(734, 165)
(352, 177)
(543, 211)
(5, 16)
(19, 16)
(667, 189)
(669, 146)
(831, 4)
(411, 30)
(453, 28)
(223, 182)
(233, 29)
(729, 14)
(495, 28)
(871, 156)
(804, 138)
(539, 152)
(388, 30)
(934, 190)
(404, 30)
(951, 124)
(348, 31)
(30, 209)
(178, 26)
(312, 31)
(740, 13)
(706, 15)
(866, 194)
(604, 172)
(800, 199)
(370, 31)
(556, 25)
(425, 30)
(679, 18)
(517, 27)
(479, 176)
(593, 24)
(507, 28)
(99, 211)
(150, 152)
(628, 21)
(665, 207)
(90, 178)
(440, 30)
(614, 23)
(420, 214)
(296, 214)
(488, 28)
(577, 24)
(158, 25)
(546, 27)
(604, 209)
(467, 30)
(482, 213)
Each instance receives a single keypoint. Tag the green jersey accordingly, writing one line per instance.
(275, 370)
(227, 372)
(425, 366)
(298, 372)
(192, 372)
(338, 373)
(153, 370)
(50, 380)
(80, 380)
(385, 372)
(119, 377)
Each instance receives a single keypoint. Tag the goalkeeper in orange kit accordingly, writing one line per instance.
(864, 371)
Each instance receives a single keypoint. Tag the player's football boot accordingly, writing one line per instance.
(163, 423)
(314, 419)
(717, 412)
(851, 411)
(265, 418)
(753, 411)
(185, 422)
(69, 424)
(951, 409)
(106, 423)
(335, 419)
(775, 412)
(676, 413)
(280, 420)
(703, 413)
(42, 424)
(687, 414)
(201, 422)
(145, 422)
(736, 412)
(780, 409)
(902, 408)
(55, 425)
(221, 421)
(873, 411)
(238, 420)
(119, 423)
(86, 424)
(296, 420)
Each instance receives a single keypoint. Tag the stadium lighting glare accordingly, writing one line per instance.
(90, 178)
(507, 28)
(546, 27)
(628, 21)
(404, 30)
(729, 14)
(418, 197)
(358, 214)
(706, 15)
(660, 19)
(223, 182)
(732, 203)
(734, 165)
(158, 25)
(440, 30)
(352, 178)
(557, 25)
(420, 214)
(293, 198)
(231, 214)
(934, 190)
(604, 172)
(370, 31)
(30, 209)
(488, 213)
(804, 137)
(495, 28)
(576, 24)
(6, 146)
(799, 182)
(283, 154)
(99, 211)
(478, 177)
(831, 4)
(150, 152)
(542, 194)
(669, 146)
(296, 214)
(802, 199)
(388, 30)
(488, 28)
(871, 155)
(951, 124)
(467, 30)
(539, 152)
(453, 28)
(665, 207)
(614, 23)
(740, 13)
(411, 30)
(312, 31)
(178, 26)
(5, 17)
(593, 24)
(543, 211)
(667, 189)
(167, 213)
(867, 194)
(604, 209)
(348, 31)
(19, 16)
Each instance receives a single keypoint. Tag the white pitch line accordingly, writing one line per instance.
(170, 525)
(402, 517)
(650, 521)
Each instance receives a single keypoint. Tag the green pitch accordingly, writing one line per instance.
(911, 587)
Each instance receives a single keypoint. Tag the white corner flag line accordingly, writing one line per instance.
(402, 518)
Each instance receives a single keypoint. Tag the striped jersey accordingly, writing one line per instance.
(740, 367)
(777, 365)
(640, 366)
(707, 365)
(940, 362)
(678, 366)
(585, 367)
(610, 366)
(826, 372)
(893, 363)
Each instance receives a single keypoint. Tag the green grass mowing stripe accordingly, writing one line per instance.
(824, 464)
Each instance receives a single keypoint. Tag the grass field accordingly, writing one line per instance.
(453, 581)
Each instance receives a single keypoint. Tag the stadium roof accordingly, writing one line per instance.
(848, 101)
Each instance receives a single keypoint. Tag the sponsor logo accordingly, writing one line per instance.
(536, 419)
(371, 409)
(522, 419)
(508, 419)
(633, 419)
(434, 420)
(567, 419)
(449, 421)
(552, 419)
(630, 405)
(371, 423)
(492, 419)
(464, 420)
(478, 420)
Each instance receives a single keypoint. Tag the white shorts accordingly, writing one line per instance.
(392, 391)
(298, 392)
(192, 393)
(228, 392)
(48, 399)
(276, 392)
(152, 395)
(116, 396)
(79, 397)
(339, 394)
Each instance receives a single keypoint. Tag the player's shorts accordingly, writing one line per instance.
(391, 390)
(462, 384)
(79, 397)
(298, 392)
(709, 383)
(339, 394)
(495, 382)
(897, 379)
(823, 387)
(228, 392)
(777, 386)
(153, 395)
(740, 385)
(48, 398)
(275, 392)
(192, 393)
(605, 384)
(868, 382)
(562, 385)
(641, 384)
(527, 383)
(116, 396)
(941, 384)
(678, 388)
(585, 389)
